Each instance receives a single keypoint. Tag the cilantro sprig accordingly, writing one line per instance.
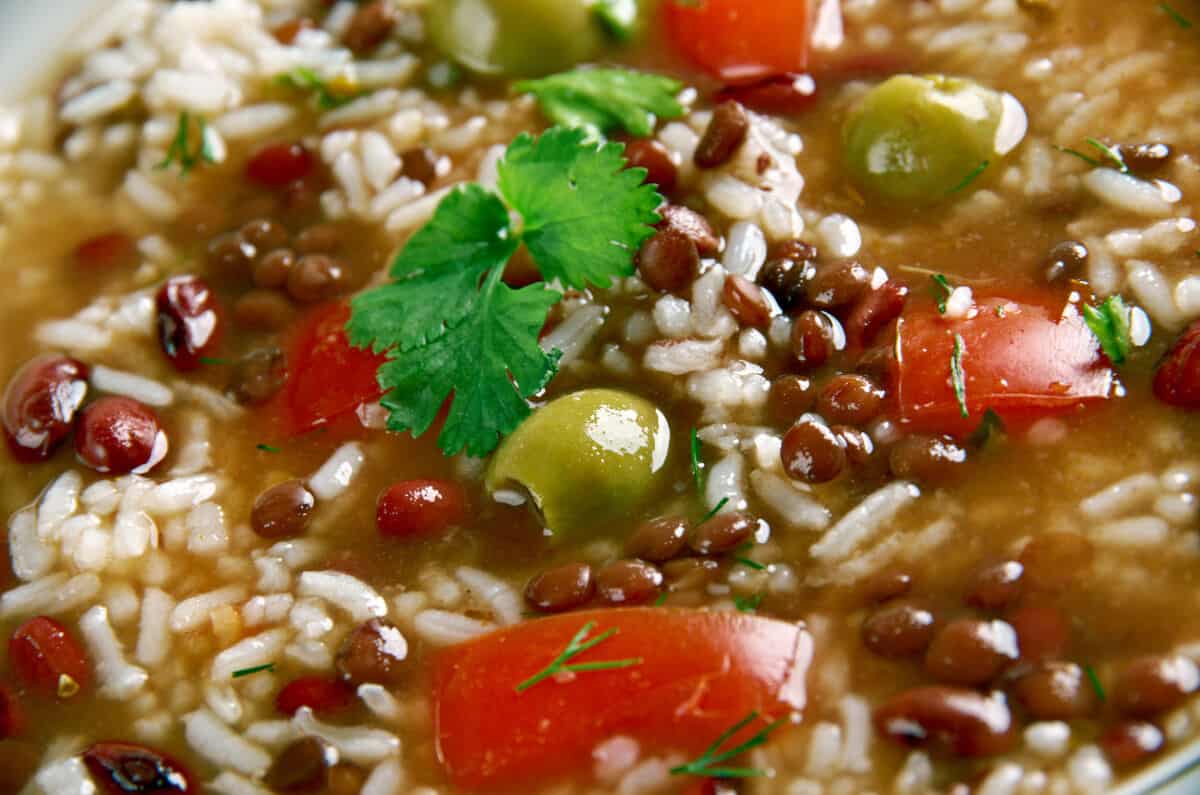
(942, 290)
(957, 377)
(182, 151)
(1110, 323)
(450, 326)
(710, 763)
(600, 100)
(576, 646)
(327, 94)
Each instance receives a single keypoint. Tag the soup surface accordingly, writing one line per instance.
(602, 397)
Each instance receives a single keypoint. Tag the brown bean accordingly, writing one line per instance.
(283, 510)
(316, 277)
(899, 629)
(816, 336)
(262, 310)
(373, 653)
(787, 281)
(302, 766)
(561, 588)
(791, 397)
(131, 769)
(264, 234)
(1130, 742)
(1064, 262)
(838, 284)
(346, 779)
(967, 723)
(929, 460)
(811, 452)
(658, 540)
(420, 164)
(668, 261)
(1053, 560)
(722, 533)
(1043, 632)
(724, 135)
(318, 239)
(628, 582)
(878, 363)
(971, 652)
(187, 320)
(40, 404)
(850, 399)
(745, 301)
(859, 444)
(660, 166)
(258, 376)
(1056, 691)
(1152, 685)
(887, 585)
(997, 586)
(872, 312)
(1143, 159)
(797, 250)
(688, 573)
(1177, 379)
(370, 26)
(272, 268)
(691, 225)
(229, 254)
(120, 435)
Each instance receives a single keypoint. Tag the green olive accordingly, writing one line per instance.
(515, 38)
(585, 458)
(920, 140)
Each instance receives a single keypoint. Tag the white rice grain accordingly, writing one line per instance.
(362, 746)
(65, 777)
(230, 783)
(193, 612)
(31, 557)
(118, 678)
(1124, 495)
(683, 356)
(824, 749)
(1003, 780)
(505, 602)
(58, 502)
(1153, 292)
(380, 163)
(32, 597)
(355, 597)
(349, 173)
(443, 628)
(266, 609)
(840, 235)
(254, 121)
(251, 652)
(150, 198)
(574, 334)
(864, 520)
(916, 777)
(614, 757)
(856, 724)
(180, 494)
(97, 102)
(1138, 531)
(119, 382)
(207, 533)
(1127, 192)
(380, 702)
(795, 507)
(154, 637)
(1048, 739)
(338, 472)
(74, 335)
(386, 779)
(746, 250)
(1089, 770)
(221, 746)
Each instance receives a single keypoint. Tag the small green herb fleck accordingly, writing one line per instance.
(709, 763)
(1110, 323)
(182, 152)
(1110, 154)
(575, 647)
(942, 290)
(212, 361)
(1177, 17)
(990, 427)
(619, 17)
(600, 100)
(328, 95)
(269, 667)
(957, 378)
(267, 448)
(1091, 161)
(1095, 681)
(697, 462)
(715, 510)
(1000, 310)
(969, 178)
(662, 598)
(748, 604)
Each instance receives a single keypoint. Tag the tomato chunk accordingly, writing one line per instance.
(1177, 379)
(740, 41)
(699, 674)
(323, 695)
(327, 378)
(12, 714)
(1023, 356)
(48, 659)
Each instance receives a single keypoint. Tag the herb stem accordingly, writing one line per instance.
(957, 377)
(577, 645)
(1177, 17)
(697, 462)
(707, 764)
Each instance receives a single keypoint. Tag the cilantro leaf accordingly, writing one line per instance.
(585, 214)
(1110, 323)
(468, 236)
(600, 100)
(490, 362)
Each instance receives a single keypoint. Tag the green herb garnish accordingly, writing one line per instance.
(270, 667)
(697, 461)
(1177, 17)
(1095, 682)
(662, 597)
(328, 95)
(267, 448)
(969, 178)
(619, 17)
(576, 647)
(709, 763)
(957, 378)
(752, 564)
(212, 361)
(942, 290)
(182, 152)
(989, 427)
(1108, 155)
(449, 324)
(600, 100)
(1110, 323)
(715, 510)
(748, 604)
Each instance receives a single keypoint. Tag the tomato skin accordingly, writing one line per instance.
(327, 378)
(323, 695)
(701, 673)
(414, 508)
(1177, 379)
(12, 714)
(1024, 356)
(740, 41)
(42, 651)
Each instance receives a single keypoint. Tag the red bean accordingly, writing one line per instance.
(838, 284)
(812, 453)
(790, 398)
(302, 766)
(899, 629)
(374, 653)
(105, 252)
(414, 508)
(188, 321)
(1129, 742)
(1043, 632)
(722, 533)
(850, 399)
(288, 31)
(1056, 691)
(1177, 380)
(1151, 685)
(744, 300)
(929, 460)
(660, 166)
(370, 26)
(316, 277)
(12, 714)
(282, 511)
(561, 588)
(40, 405)
(277, 165)
(887, 584)
(628, 582)
(658, 540)
(668, 261)
(874, 311)
(997, 586)
(816, 336)
(48, 659)
(128, 769)
(971, 652)
(724, 135)
(786, 94)
(324, 696)
(691, 225)
(420, 164)
(967, 723)
(120, 435)
(859, 444)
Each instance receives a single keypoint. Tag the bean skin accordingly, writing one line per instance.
(40, 404)
(967, 723)
(744, 300)
(301, 766)
(668, 261)
(850, 399)
(1056, 691)
(1130, 742)
(660, 167)
(189, 323)
(375, 653)
(724, 136)
(899, 629)
(838, 284)
(971, 652)
(812, 453)
(282, 511)
(816, 336)
(120, 435)
(561, 588)
(691, 225)
(722, 533)
(887, 585)
(1152, 685)
(791, 397)
(628, 582)
(658, 540)
(997, 586)
(1177, 379)
(929, 460)
(125, 768)
(1043, 631)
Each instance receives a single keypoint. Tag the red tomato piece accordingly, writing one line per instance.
(322, 695)
(699, 674)
(327, 378)
(48, 659)
(740, 41)
(420, 507)
(12, 714)
(1024, 357)
(1177, 380)
(277, 165)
